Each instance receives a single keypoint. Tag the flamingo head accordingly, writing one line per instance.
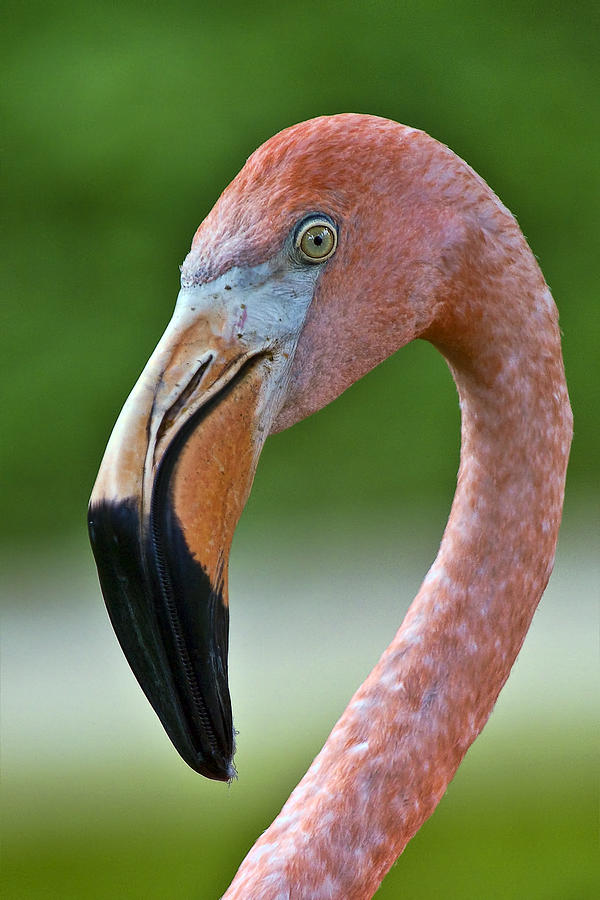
(334, 246)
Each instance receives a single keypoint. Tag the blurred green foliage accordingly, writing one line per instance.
(126, 120)
(508, 829)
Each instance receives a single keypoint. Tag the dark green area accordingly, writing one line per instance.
(126, 120)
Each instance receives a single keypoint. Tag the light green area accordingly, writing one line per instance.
(96, 802)
(518, 821)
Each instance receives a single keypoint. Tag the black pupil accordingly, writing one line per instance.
(318, 240)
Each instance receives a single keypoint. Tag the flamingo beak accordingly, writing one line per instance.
(171, 487)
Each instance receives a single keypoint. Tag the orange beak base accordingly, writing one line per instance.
(172, 623)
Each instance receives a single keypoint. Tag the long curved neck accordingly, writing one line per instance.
(389, 759)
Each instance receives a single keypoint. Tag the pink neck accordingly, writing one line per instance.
(389, 759)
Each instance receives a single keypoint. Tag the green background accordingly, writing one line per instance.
(125, 121)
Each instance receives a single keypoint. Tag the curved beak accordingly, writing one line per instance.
(173, 482)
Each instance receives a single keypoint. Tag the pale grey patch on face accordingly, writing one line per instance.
(252, 310)
(261, 303)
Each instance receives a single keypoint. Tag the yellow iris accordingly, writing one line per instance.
(317, 242)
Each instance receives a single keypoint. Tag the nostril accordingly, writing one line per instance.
(175, 410)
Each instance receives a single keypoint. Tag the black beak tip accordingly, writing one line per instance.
(217, 770)
(201, 730)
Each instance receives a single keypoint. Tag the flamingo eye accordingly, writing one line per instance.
(316, 240)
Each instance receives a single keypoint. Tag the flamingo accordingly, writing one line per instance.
(342, 239)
